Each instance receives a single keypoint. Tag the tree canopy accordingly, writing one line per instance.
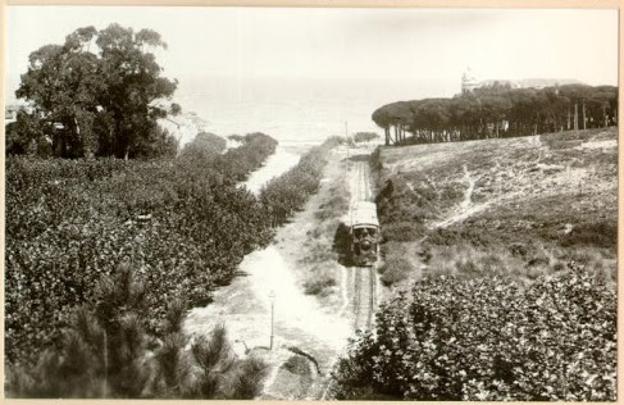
(498, 110)
(98, 94)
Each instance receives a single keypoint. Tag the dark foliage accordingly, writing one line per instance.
(183, 223)
(498, 111)
(489, 339)
(365, 136)
(96, 95)
(205, 144)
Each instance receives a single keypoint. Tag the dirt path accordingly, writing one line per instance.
(279, 162)
(466, 208)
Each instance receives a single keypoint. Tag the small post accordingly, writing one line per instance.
(105, 383)
(272, 298)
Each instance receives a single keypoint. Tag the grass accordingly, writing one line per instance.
(319, 282)
(536, 204)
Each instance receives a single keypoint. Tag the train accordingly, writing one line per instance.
(364, 232)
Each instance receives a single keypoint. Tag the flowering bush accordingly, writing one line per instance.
(489, 339)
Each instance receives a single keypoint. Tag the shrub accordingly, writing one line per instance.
(396, 268)
(286, 194)
(297, 365)
(204, 145)
(489, 339)
(342, 244)
(318, 284)
(598, 234)
(183, 223)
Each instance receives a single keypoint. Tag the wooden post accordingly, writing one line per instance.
(105, 383)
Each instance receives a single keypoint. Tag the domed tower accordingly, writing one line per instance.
(469, 81)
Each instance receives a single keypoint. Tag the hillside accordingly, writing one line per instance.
(522, 206)
(508, 248)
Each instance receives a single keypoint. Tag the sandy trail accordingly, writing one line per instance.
(466, 208)
(279, 162)
(244, 307)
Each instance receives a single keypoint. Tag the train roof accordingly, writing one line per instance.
(364, 213)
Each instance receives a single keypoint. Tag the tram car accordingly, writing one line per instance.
(364, 230)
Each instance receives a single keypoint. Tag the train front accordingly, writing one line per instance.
(364, 233)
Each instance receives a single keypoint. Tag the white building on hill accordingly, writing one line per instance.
(470, 82)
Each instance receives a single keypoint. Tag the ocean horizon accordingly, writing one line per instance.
(291, 110)
(297, 110)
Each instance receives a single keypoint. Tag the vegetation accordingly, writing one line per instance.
(185, 225)
(205, 144)
(509, 247)
(286, 194)
(365, 136)
(319, 284)
(105, 352)
(238, 163)
(488, 338)
(498, 111)
(182, 225)
(534, 205)
(98, 94)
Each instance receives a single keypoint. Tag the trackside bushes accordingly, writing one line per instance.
(286, 194)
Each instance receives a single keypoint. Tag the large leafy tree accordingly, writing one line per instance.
(99, 93)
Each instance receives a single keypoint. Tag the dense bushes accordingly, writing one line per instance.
(105, 352)
(238, 163)
(183, 224)
(396, 266)
(205, 144)
(488, 339)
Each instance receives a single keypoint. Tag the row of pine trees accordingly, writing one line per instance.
(497, 111)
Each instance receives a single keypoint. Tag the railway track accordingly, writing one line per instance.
(361, 283)
(364, 281)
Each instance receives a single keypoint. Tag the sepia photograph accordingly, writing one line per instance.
(310, 203)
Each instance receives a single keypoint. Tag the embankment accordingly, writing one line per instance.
(525, 206)
(502, 257)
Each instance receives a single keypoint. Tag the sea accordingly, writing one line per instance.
(298, 110)
(294, 111)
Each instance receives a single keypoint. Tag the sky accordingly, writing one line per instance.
(392, 44)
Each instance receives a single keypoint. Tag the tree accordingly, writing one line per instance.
(499, 110)
(100, 102)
